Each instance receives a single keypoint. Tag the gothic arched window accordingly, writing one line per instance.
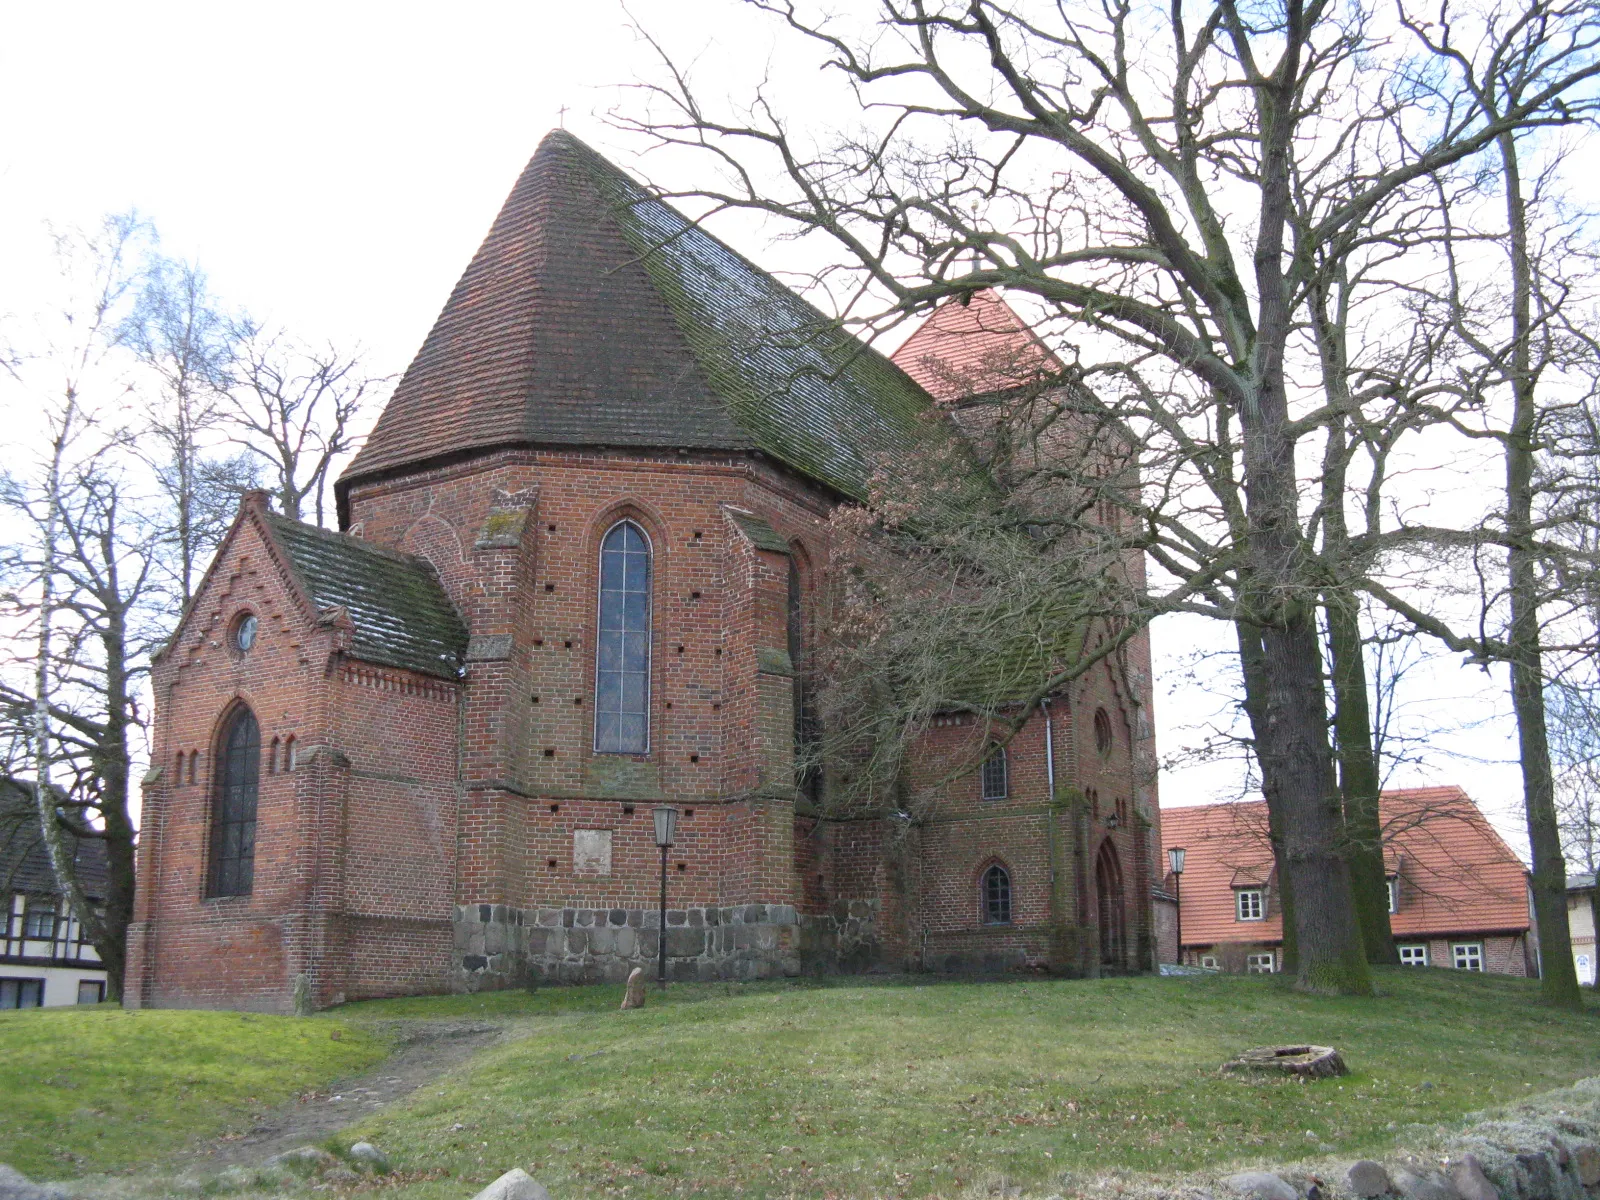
(622, 651)
(233, 807)
(997, 896)
(996, 772)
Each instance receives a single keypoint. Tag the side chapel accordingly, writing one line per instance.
(571, 583)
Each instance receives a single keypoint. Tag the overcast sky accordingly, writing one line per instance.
(332, 166)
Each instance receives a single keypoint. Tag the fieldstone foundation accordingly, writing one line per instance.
(500, 945)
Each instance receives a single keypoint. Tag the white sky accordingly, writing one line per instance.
(332, 166)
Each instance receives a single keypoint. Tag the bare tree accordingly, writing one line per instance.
(1139, 173)
(180, 333)
(293, 407)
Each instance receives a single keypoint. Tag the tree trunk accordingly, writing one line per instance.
(1255, 708)
(1358, 778)
(1296, 759)
(1558, 974)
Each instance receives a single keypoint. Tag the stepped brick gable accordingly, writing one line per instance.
(572, 550)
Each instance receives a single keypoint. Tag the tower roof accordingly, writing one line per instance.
(975, 347)
(595, 314)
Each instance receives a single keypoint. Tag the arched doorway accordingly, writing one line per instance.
(1109, 904)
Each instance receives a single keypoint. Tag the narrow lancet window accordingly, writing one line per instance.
(233, 808)
(622, 654)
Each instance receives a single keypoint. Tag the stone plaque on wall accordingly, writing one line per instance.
(591, 852)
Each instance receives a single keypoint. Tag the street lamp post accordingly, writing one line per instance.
(1175, 860)
(666, 825)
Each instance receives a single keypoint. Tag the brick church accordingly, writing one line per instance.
(421, 754)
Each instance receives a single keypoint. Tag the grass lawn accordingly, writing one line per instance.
(851, 1090)
(99, 1089)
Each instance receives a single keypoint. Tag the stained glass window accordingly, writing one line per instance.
(622, 654)
(233, 814)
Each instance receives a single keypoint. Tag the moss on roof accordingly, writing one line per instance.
(400, 611)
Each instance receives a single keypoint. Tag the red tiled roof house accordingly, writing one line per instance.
(1458, 894)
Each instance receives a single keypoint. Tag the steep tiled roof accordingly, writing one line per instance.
(24, 861)
(595, 314)
(1456, 873)
(401, 614)
(974, 349)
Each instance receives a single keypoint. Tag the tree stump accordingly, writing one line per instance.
(1308, 1062)
(634, 998)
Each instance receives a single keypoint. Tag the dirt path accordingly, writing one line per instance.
(423, 1051)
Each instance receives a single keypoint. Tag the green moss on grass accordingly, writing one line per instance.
(99, 1089)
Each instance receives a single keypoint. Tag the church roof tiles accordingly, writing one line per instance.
(596, 314)
(399, 610)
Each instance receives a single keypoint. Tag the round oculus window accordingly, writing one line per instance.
(244, 633)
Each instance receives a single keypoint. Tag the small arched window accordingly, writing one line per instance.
(233, 807)
(1102, 731)
(272, 757)
(288, 753)
(194, 762)
(996, 774)
(622, 651)
(996, 896)
(177, 773)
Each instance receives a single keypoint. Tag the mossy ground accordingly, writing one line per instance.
(99, 1089)
(922, 1089)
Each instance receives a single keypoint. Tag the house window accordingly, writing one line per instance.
(1102, 731)
(233, 808)
(1261, 964)
(1394, 893)
(21, 993)
(39, 919)
(91, 991)
(1251, 904)
(997, 896)
(622, 654)
(995, 774)
(1208, 961)
(1467, 956)
(1413, 956)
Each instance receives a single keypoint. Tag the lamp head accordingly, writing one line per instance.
(1175, 858)
(666, 824)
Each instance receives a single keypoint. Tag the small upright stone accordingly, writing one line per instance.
(1368, 1179)
(634, 998)
(302, 995)
(515, 1184)
(1470, 1180)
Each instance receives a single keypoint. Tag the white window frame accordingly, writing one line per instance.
(1208, 961)
(1418, 952)
(1256, 910)
(1254, 963)
(1466, 956)
(1394, 894)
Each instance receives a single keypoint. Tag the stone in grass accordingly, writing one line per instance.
(1470, 1180)
(1586, 1158)
(1368, 1179)
(515, 1184)
(302, 1160)
(634, 997)
(1259, 1185)
(14, 1185)
(368, 1157)
(1308, 1062)
(1432, 1186)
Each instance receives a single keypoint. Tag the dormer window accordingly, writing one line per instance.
(1251, 904)
(1394, 893)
